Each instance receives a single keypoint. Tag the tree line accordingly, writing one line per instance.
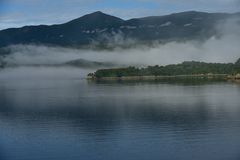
(185, 68)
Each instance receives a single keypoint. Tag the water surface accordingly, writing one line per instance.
(55, 114)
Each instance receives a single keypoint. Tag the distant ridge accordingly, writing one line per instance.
(100, 29)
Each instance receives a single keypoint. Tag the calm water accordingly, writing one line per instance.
(54, 114)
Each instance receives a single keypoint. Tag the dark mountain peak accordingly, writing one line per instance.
(96, 19)
(99, 13)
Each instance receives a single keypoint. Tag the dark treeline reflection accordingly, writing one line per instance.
(174, 81)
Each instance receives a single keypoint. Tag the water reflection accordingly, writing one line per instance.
(69, 118)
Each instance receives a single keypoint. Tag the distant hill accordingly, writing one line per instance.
(101, 29)
(88, 64)
(81, 63)
(238, 62)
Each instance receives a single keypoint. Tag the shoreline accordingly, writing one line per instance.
(153, 78)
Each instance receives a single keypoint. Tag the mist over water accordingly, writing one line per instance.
(223, 50)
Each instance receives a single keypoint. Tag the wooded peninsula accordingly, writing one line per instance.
(185, 69)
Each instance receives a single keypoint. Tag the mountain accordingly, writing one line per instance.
(238, 62)
(101, 29)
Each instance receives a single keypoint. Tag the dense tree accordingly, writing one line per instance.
(185, 68)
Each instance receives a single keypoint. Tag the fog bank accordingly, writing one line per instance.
(213, 50)
(223, 49)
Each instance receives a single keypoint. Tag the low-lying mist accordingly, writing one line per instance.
(213, 50)
(223, 49)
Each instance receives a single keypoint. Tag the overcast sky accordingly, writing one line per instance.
(17, 13)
